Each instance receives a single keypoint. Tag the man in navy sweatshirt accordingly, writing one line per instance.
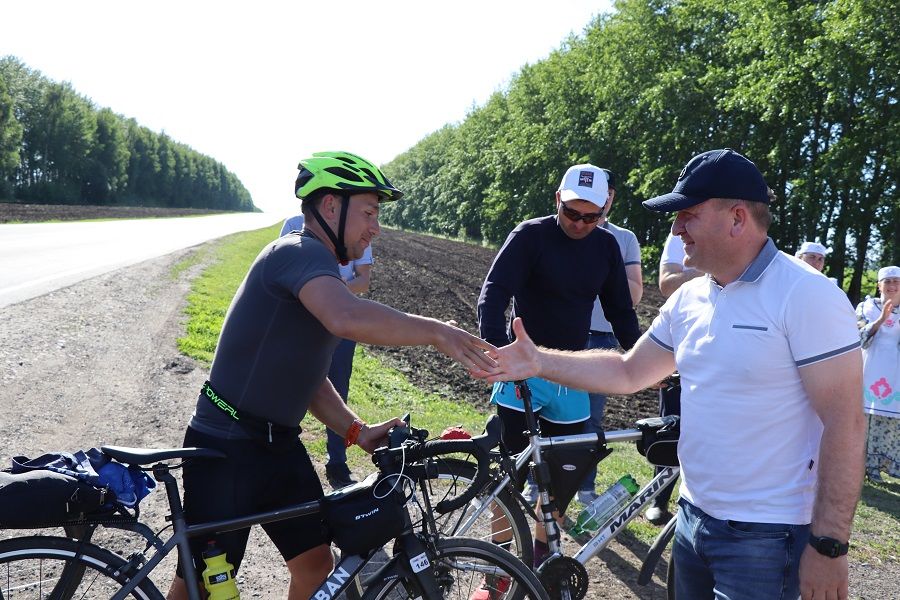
(553, 268)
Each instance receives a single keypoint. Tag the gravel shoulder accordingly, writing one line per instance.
(96, 363)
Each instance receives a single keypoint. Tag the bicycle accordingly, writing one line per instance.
(424, 563)
(561, 575)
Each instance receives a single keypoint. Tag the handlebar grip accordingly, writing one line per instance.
(482, 457)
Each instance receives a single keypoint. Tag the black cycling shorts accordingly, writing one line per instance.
(252, 479)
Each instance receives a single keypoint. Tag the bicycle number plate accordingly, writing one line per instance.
(419, 563)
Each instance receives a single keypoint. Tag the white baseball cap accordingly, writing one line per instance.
(813, 248)
(584, 182)
(885, 272)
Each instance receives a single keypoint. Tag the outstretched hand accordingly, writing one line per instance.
(475, 354)
(519, 360)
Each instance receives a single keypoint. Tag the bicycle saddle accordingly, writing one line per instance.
(145, 456)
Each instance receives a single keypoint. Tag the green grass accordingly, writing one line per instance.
(212, 291)
(378, 393)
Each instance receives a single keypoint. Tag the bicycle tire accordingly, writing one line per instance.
(62, 568)
(453, 476)
(464, 566)
(670, 578)
(461, 473)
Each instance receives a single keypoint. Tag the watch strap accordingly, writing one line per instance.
(829, 547)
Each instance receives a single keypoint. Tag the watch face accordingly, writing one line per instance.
(830, 547)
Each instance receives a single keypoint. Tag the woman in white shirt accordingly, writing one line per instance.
(879, 320)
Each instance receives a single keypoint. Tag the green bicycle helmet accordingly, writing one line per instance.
(343, 171)
(345, 174)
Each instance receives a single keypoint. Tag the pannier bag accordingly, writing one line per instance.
(364, 516)
(568, 468)
(129, 484)
(61, 487)
(45, 498)
(659, 440)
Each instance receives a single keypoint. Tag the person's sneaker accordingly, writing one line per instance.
(531, 493)
(338, 476)
(587, 496)
(493, 588)
(657, 515)
(874, 475)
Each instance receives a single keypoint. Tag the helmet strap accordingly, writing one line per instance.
(338, 240)
(340, 247)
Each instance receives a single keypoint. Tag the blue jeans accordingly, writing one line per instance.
(598, 401)
(733, 560)
(339, 374)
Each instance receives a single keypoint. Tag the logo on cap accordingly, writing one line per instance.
(586, 178)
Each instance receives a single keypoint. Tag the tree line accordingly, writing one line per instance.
(57, 147)
(807, 89)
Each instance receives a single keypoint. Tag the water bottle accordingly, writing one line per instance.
(218, 576)
(604, 506)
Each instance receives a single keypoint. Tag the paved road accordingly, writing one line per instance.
(37, 258)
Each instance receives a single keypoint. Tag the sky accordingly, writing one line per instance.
(260, 85)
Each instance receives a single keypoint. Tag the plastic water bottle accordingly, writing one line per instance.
(218, 576)
(604, 506)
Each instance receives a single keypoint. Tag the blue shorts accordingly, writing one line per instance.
(553, 402)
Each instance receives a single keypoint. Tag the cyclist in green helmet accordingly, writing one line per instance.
(272, 360)
(342, 174)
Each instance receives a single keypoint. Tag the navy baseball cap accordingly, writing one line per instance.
(714, 174)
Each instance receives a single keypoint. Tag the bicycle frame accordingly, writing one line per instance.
(534, 453)
(612, 527)
(412, 550)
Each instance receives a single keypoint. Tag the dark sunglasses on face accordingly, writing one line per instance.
(575, 215)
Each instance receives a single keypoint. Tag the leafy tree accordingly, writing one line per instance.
(56, 146)
(10, 139)
(805, 88)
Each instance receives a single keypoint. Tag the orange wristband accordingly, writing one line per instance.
(353, 432)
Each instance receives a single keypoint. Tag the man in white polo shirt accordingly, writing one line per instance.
(772, 436)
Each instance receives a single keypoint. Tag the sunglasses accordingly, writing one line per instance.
(575, 215)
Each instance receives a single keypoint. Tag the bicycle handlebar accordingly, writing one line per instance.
(414, 449)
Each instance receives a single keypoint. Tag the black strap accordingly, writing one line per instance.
(256, 426)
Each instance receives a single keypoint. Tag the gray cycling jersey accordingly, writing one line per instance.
(273, 354)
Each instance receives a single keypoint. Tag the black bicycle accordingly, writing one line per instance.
(424, 563)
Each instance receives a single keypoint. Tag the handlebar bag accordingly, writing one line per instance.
(364, 516)
(43, 498)
(659, 440)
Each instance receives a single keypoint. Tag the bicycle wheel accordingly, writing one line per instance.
(61, 568)
(468, 569)
(670, 579)
(454, 476)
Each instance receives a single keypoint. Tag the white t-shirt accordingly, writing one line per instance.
(631, 255)
(673, 253)
(294, 223)
(749, 445)
(348, 271)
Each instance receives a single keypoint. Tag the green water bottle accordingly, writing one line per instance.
(604, 506)
(218, 576)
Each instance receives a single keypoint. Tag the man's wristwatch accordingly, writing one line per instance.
(827, 546)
